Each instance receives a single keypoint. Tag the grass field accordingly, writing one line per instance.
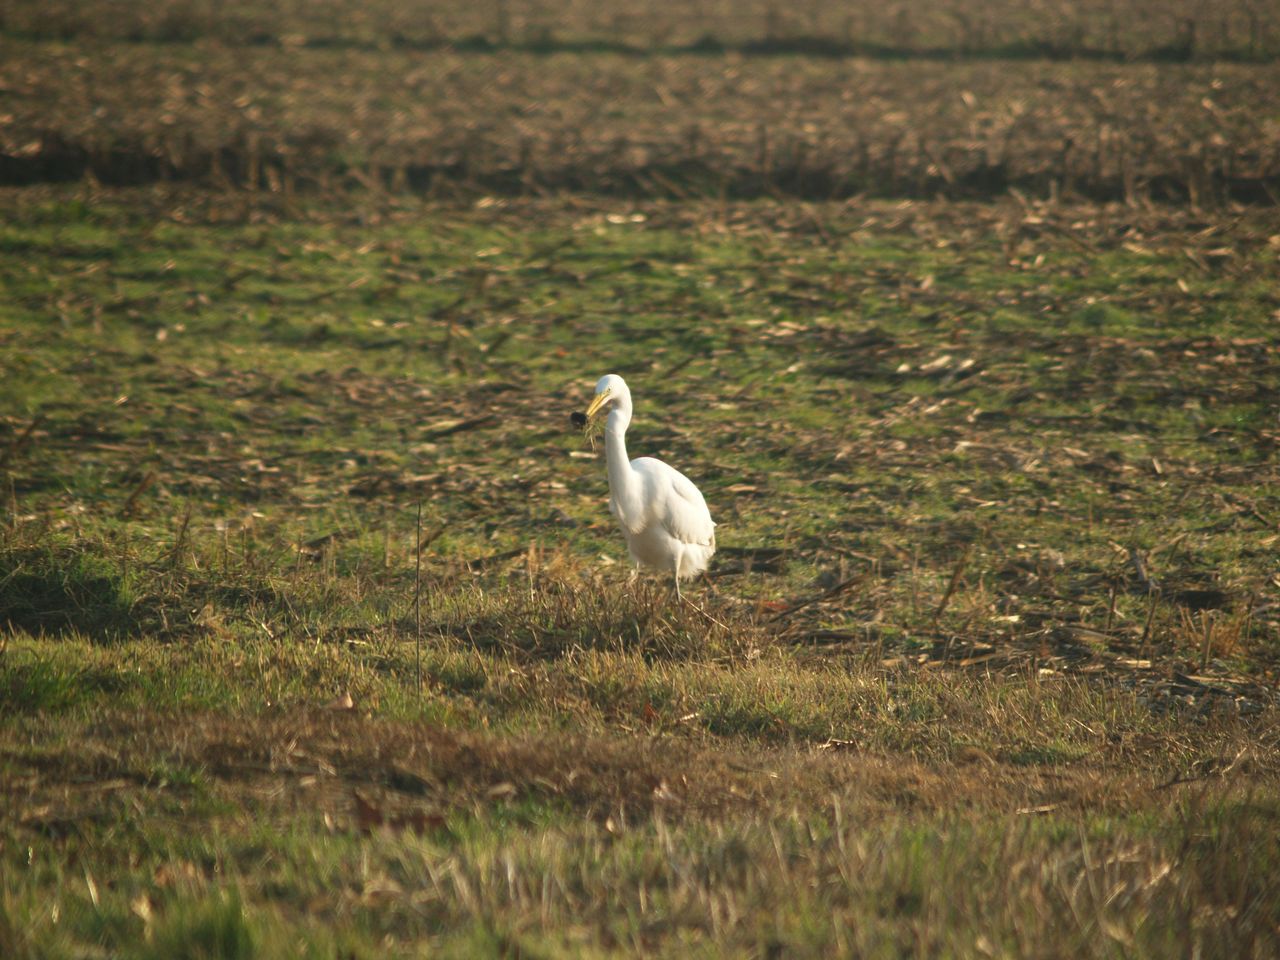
(318, 638)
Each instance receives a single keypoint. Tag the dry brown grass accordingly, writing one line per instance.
(551, 840)
(71, 772)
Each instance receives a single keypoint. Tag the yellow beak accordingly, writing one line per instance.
(600, 400)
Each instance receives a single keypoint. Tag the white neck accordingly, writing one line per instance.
(622, 479)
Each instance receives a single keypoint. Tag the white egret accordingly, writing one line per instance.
(663, 516)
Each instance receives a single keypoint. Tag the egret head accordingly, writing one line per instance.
(611, 394)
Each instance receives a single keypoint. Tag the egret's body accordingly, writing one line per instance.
(663, 516)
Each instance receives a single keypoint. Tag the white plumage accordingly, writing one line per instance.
(663, 516)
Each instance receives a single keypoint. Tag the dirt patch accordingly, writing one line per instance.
(954, 29)
(675, 127)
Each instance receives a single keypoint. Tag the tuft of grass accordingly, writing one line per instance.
(212, 928)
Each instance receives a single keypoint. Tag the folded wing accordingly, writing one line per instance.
(684, 511)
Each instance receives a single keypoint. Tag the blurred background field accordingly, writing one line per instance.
(962, 317)
(1181, 30)
(529, 99)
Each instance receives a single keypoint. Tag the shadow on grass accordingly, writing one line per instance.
(60, 590)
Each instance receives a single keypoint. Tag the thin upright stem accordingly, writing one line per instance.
(417, 602)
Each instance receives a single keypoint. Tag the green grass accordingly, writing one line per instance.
(924, 704)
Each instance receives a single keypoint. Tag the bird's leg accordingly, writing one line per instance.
(679, 595)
